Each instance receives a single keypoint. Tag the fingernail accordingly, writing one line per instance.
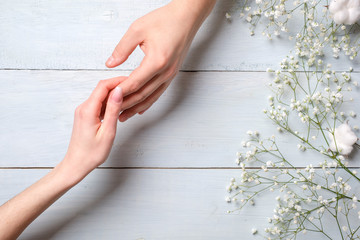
(110, 61)
(117, 95)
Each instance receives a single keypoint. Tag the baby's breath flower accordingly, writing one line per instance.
(305, 89)
(352, 114)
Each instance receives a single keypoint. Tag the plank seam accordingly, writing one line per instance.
(167, 168)
(129, 70)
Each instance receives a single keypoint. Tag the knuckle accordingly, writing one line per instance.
(133, 87)
(161, 61)
(140, 97)
(135, 27)
(101, 83)
(81, 111)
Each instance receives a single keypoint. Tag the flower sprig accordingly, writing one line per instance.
(304, 194)
(307, 102)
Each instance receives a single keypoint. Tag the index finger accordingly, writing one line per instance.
(148, 68)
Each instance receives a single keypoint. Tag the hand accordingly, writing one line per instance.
(89, 147)
(164, 35)
(94, 128)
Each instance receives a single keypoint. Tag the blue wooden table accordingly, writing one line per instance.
(168, 170)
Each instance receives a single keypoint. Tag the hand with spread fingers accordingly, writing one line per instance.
(164, 35)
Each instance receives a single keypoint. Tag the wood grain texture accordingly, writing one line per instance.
(144, 204)
(182, 148)
(81, 35)
(199, 122)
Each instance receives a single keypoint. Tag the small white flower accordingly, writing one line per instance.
(254, 231)
(298, 208)
(228, 16)
(344, 139)
(269, 164)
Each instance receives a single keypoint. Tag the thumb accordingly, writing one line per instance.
(112, 111)
(124, 48)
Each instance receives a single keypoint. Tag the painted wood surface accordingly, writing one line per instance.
(199, 122)
(178, 157)
(71, 34)
(145, 204)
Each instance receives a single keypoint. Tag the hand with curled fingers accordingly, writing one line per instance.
(92, 137)
(164, 35)
(94, 127)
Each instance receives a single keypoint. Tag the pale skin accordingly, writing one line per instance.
(164, 35)
(91, 141)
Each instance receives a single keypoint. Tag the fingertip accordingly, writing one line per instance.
(143, 111)
(123, 118)
(111, 62)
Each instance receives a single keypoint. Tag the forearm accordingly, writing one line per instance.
(198, 9)
(19, 212)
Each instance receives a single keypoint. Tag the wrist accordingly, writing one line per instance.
(194, 11)
(69, 174)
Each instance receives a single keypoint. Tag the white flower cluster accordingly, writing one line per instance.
(302, 199)
(307, 90)
(316, 34)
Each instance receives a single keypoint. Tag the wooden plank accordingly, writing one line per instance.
(139, 204)
(199, 122)
(146, 204)
(81, 35)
